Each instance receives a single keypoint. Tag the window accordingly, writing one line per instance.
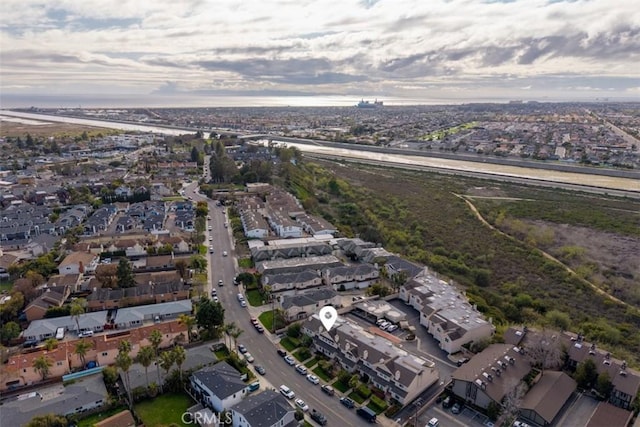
(104, 353)
(59, 363)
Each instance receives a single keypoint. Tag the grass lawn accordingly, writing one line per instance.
(96, 418)
(245, 263)
(355, 396)
(322, 374)
(254, 297)
(222, 353)
(164, 410)
(266, 319)
(286, 343)
(377, 405)
(341, 387)
(311, 362)
(302, 355)
(6, 286)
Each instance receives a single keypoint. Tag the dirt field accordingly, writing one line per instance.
(14, 129)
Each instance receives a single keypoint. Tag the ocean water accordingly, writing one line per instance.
(8, 101)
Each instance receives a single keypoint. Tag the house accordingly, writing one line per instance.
(145, 293)
(445, 312)
(490, 375)
(6, 260)
(314, 225)
(219, 386)
(401, 375)
(121, 419)
(295, 265)
(78, 262)
(133, 317)
(358, 276)
(51, 297)
(123, 192)
(290, 248)
(254, 225)
(292, 281)
(611, 416)
(83, 395)
(303, 304)
(626, 381)
(266, 409)
(545, 399)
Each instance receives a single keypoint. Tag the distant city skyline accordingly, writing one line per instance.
(325, 52)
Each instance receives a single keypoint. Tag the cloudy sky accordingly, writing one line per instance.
(391, 49)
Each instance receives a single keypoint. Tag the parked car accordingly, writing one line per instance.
(254, 321)
(301, 369)
(347, 402)
(220, 283)
(313, 379)
(287, 392)
(243, 303)
(215, 298)
(367, 414)
(520, 424)
(456, 408)
(242, 349)
(224, 253)
(260, 329)
(318, 417)
(214, 292)
(462, 361)
(249, 357)
(281, 352)
(260, 369)
(447, 402)
(433, 422)
(302, 405)
(392, 328)
(290, 360)
(327, 389)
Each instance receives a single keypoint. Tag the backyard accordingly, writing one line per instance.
(164, 410)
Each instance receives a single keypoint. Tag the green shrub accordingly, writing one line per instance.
(363, 391)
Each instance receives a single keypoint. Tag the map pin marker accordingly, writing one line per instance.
(328, 317)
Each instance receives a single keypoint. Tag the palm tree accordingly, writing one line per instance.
(145, 358)
(75, 311)
(51, 344)
(179, 356)
(124, 362)
(42, 364)
(189, 322)
(155, 338)
(82, 347)
(227, 329)
(166, 361)
(235, 334)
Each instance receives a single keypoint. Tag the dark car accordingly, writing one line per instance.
(259, 369)
(260, 329)
(462, 361)
(327, 389)
(318, 417)
(447, 402)
(281, 352)
(29, 343)
(242, 349)
(456, 409)
(347, 402)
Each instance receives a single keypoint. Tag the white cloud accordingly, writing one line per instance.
(324, 46)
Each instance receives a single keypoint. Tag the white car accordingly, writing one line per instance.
(290, 360)
(391, 328)
(249, 357)
(300, 404)
(224, 253)
(287, 392)
(302, 370)
(313, 379)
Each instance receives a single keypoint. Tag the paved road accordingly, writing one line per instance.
(261, 346)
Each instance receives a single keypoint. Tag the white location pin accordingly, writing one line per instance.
(328, 317)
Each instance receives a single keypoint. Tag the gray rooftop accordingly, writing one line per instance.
(222, 379)
(263, 409)
(18, 411)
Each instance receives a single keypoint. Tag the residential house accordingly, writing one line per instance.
(490, 375)
(545, 399)
(78, 262)
(282, 225)
(401, 375)
(6, 260)
(302, 305)
(265, 409)
(445, 312)
(358, 276)
(611, 416)
(50, 297)
(133, 317)
(315, 226)
(145, 293)
(292, 281)
(626, 381)
(218, 387)
(290, 248)
(83, 395)
(254, 225)
(296, 265)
